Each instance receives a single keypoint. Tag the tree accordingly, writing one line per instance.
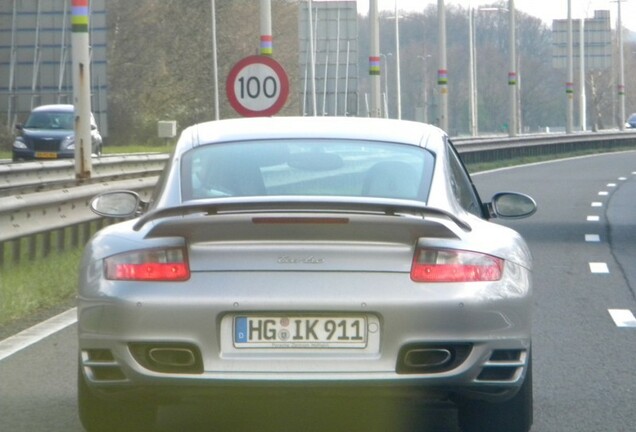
(160, 59)
(160, 65)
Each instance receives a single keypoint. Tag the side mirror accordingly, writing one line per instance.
(511, 205)
(19, 126)
(116, 204)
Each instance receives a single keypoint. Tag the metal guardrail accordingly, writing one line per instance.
(491, 149)
(39, 199)
(26, 215)
(43, 200)
(28, 177)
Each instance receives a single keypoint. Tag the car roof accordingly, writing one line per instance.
(360, 128)
(55, 107)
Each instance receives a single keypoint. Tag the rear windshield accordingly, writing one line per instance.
(307, 167)
(50, 120)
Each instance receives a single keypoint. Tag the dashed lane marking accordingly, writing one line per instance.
(593, 218)
(623, 317)
(599, 267)
(592, 238)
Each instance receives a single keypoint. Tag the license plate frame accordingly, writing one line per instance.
(300, 331)
(46, 155)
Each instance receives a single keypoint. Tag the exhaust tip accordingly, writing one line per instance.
(420, 358)
(172, 357)
(427, 358)
(168, 357)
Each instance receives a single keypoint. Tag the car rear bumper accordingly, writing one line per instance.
(485, 329)
(174, 387)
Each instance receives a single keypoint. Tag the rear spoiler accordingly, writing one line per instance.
(301, 204)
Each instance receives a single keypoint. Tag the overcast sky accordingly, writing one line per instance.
(547, 10)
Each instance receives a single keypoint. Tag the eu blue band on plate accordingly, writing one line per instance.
(240, 329)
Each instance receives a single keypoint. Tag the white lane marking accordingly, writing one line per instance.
(599, 267)
(603, 193)
(611, 185)
(593, 218)
(622, 178)
(623, 317)
(553, 161)
(591, 238)
(36, 333)
(597, 204)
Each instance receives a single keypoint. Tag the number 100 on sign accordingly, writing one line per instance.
(257, 90)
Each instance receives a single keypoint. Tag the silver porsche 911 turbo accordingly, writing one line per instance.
(284, 254)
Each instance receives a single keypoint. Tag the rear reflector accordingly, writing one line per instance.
(446, 265)
(148, 265)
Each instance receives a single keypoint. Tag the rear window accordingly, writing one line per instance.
(307, 167)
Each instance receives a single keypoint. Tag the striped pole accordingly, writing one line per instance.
(374, 65)
(442, 72)
(512, 74)
(442, 77)
(375, 110)
(267, 41)
(81, 88)
(512, 78)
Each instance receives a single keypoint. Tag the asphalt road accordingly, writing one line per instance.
(583, 239)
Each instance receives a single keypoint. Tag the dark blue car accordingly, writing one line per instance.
(49, 133)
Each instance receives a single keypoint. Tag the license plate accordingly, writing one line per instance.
(46, 155)
(300, 332)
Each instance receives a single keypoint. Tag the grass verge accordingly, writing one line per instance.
(35, 285)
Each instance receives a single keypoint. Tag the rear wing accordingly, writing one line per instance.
(271, 206)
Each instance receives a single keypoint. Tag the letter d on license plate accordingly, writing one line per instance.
(300, 332)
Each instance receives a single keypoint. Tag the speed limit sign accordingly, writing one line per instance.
(257, 86)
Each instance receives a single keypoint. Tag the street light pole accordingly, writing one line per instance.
(582, 98)
(215, 67)
(569, 85)
(312, 56)
(386, 85)
(424, 59)
(621, 71)
(397, 61)
(473, 70)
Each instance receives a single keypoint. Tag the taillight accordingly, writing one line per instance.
(148, 265)
(447, 265)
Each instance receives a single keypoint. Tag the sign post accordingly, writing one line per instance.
(257, 86)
